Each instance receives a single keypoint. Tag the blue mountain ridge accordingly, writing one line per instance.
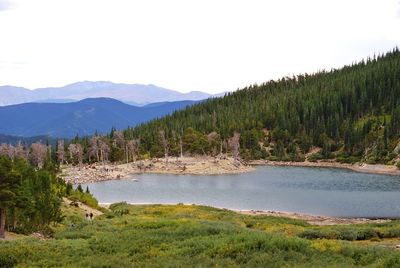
(85, 117)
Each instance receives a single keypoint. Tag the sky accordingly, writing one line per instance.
(185, 45)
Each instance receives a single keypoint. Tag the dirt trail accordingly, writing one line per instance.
(13, 236)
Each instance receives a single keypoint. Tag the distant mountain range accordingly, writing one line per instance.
(14, 140)
(135, 94)
(84, 117)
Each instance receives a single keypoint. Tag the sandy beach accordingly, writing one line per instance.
(185, 165)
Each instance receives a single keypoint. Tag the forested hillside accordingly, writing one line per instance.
(352, 113)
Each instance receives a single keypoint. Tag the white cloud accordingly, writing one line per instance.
(5, 5)
(188, 45)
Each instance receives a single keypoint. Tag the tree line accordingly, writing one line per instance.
(351, 114)
(116, 147)
(31, 192)
(30, 198)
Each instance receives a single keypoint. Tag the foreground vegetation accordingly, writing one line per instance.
(179, 236)
(30, 197)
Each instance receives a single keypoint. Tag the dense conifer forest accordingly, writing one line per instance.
(352, 114)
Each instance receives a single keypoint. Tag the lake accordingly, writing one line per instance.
(318, 191)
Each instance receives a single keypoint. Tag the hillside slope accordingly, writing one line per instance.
(352, 114)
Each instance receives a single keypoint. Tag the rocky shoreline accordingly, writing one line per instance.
(186, 165)
(198, 166)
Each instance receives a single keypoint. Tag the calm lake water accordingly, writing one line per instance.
(320, 191)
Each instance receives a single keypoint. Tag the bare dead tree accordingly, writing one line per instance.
(234, 144)
(79, 153)
(223, 146)
(60, 152)
(20, 151)
(71, 150)
(38, 153)
(118, 139)
(181, 145)
(126, 149)
(7, 150)
(213, 138)
(104, 150)
(93, 150)
(119, 142)
(76, 153)
(132, 149)
(165, 144)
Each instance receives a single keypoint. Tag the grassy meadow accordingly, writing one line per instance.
(199, 236)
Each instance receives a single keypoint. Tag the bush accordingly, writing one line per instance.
(7, 261)
(273, 158)
(349, 159)
(315, 157)
(326, 245)
(121, 212)
(365, 234)
(312, 234)
(85, 198)
(394, 232)
(118, 205)
(346, 233)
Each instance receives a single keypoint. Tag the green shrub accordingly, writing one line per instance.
(85, 198)
(121, 212)
(348, 159)
(394, 232)
(273, 158)
(315, 157)
(366, 233)
(312, 234)
(115, 206)
(7, 261)
(348, 234)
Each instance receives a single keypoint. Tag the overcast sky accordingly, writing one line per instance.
(185, 45)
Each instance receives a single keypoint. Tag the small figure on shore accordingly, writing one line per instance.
(87, 216)
(91, 215)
